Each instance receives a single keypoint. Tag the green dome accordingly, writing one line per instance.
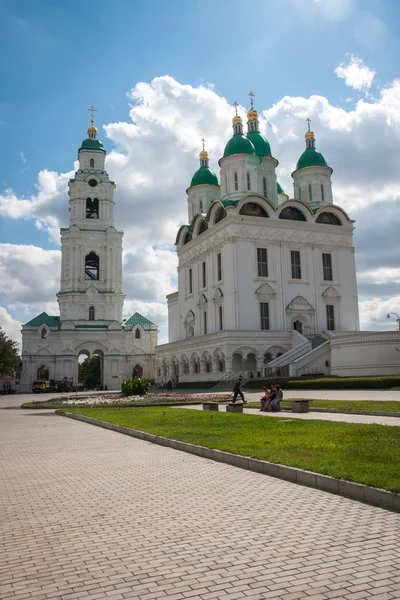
(279, 188)
(92, 145)
(204, 176)
(311, 158)
(239, 144)
(260, 144)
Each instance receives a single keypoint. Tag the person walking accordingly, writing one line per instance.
(237, 391)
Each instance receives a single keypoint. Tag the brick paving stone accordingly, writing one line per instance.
(89, 513)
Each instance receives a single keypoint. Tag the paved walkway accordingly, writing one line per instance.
(339, 417)
(92, 514)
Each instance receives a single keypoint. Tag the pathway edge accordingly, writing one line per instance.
(341, 487)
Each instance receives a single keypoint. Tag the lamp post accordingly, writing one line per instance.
(397, 317)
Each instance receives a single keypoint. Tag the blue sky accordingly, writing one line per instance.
(58, 58)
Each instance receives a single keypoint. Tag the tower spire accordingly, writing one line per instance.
(252, 116)
(92, 131)
(309, 135)
(203, 155)
(237, 121)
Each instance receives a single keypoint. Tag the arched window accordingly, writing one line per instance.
(309, 192)
(221, 214)
(322, 193)
(235, 179)
(44, 332)
(265, 186)
(202, 227)
(252, 209)
(137, 334)
(92, 266)
(201, 206)
(267, 358)
(188, 238)
(92, 208)
(92, 163)
(328, 218)
(91, 313)
(292, 214)
(248, 181)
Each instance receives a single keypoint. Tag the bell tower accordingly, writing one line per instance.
(91, 247)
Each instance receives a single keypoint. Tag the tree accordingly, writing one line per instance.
(9, 358)
(90, 372)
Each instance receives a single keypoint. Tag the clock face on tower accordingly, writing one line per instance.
(92, 182)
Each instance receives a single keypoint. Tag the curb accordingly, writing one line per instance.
(341, 487)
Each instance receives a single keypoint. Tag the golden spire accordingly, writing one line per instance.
(309, 135)
(92, 128)
(252, 115)
(203, 154)
(236, 119)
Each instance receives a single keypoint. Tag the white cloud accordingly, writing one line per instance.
(356, 74)
(154, 157)
(10, 325)
(373, 313)
(22, 155)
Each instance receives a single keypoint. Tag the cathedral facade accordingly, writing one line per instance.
(264, 281)
(91, 296)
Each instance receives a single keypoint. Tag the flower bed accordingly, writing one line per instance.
(114, 400)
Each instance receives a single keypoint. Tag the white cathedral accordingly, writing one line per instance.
(267, 284)
(91, 296)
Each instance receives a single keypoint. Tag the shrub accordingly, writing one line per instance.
(384, 382)
(135, 387)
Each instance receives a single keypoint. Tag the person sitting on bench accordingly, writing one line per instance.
(276, 402)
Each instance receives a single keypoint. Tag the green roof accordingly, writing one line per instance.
(92, 145)
(260, 144)
(44, 319)
(226, 203)
(204, 176)
(311, 158)
(279, 188)
(137, 319)
(239, 144)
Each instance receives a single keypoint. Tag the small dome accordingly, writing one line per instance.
(311, 158)
(236, 120)
(92, 129)
(92, 145)
(260, 144)
(279, 188)
(203, 155)
(239, 144)
(252, 115)
(309, 135)
(204, 176)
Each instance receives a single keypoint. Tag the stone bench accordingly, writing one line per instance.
(300, 406)
(210, 406)
(234, 407)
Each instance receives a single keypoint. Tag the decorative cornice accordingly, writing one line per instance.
(330, 292)
(266, 290)
(299, 303)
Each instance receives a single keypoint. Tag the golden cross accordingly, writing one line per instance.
(309, 122)
(203, 141)
(93, 110)
(251, 99)
(235, 104)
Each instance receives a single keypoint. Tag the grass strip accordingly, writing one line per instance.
(365, 405)
(367, 454)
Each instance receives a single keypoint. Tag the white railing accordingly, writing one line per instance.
(297, 367)
(288, 357)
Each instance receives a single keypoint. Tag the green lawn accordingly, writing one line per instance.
(368, 454)
(366, 405)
